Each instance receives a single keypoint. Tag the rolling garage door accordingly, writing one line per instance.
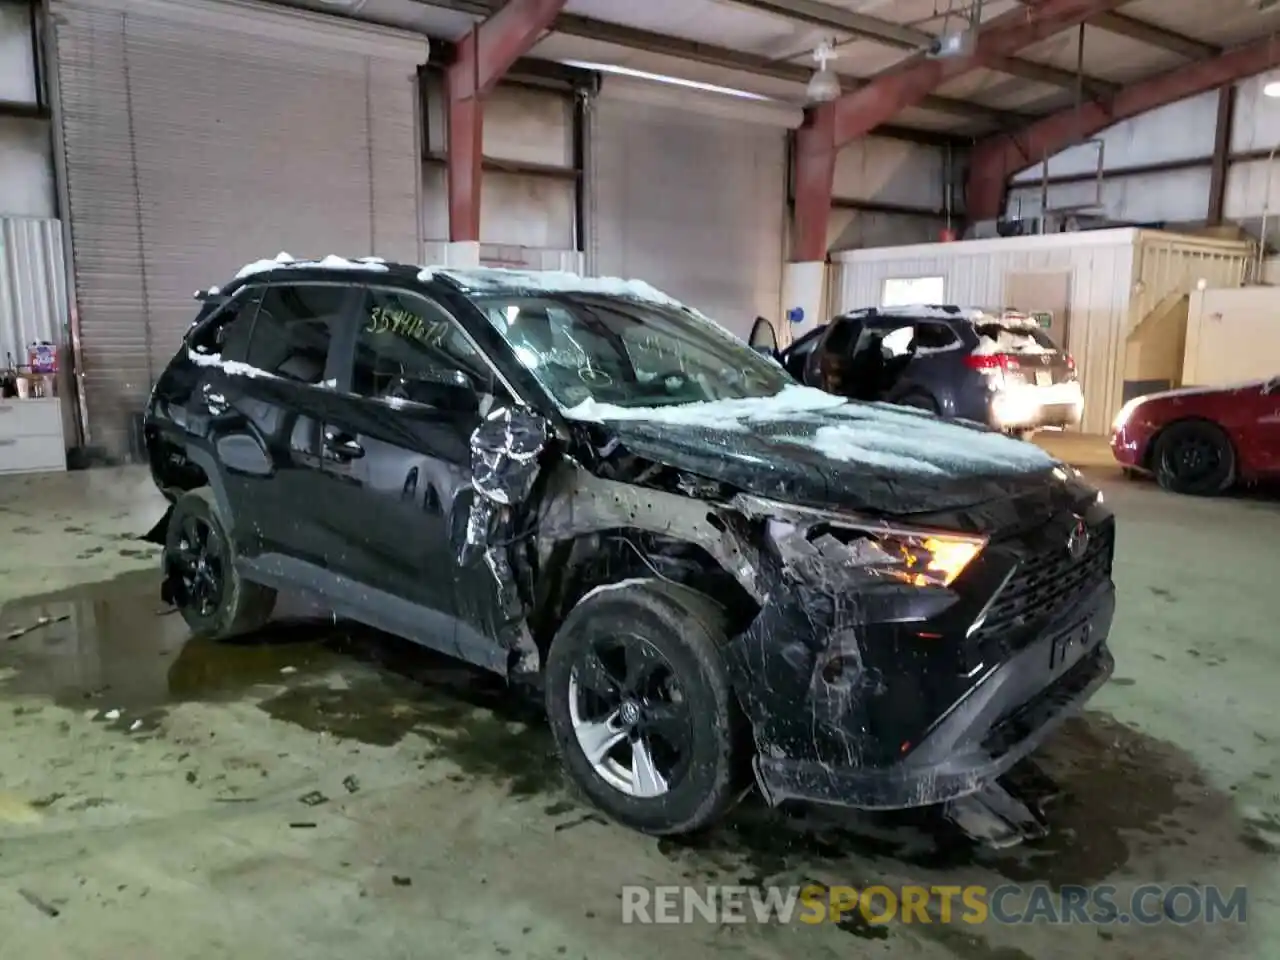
(692, 202)
(201, 136)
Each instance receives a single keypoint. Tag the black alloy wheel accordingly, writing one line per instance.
(201, 575)
(1194, 457)
(200, 562)
(630, 715)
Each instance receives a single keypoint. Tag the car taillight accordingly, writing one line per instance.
(991, 362)
(1071, 363)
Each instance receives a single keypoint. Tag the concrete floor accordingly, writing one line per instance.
(151, 789)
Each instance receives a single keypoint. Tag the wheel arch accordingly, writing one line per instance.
(1148, 453)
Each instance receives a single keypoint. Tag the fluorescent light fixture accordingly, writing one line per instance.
(673, 81)
(1272, 89)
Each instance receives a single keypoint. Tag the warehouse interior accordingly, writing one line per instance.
(1107, 166)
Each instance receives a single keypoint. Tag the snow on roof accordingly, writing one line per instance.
(924, 311)
(331, 262)
(483, 279)
(875, 435)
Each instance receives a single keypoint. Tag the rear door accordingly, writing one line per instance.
(830, 364)
(283, 392)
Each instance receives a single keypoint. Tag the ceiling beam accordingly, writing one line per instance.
(890, 34)
(910, 82)
(999, 157)
(665, 45)
(1154, 36)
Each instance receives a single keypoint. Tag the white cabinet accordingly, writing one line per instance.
(31, 436)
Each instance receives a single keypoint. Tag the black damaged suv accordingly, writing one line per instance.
(711, 571)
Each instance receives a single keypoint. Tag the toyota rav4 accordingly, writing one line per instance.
(713, 575)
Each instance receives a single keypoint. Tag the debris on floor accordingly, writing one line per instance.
(48, 909)
(314, 798)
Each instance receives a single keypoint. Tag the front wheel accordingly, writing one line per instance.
(1194, 457)
(640, 703)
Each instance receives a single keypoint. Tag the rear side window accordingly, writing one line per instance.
(1013, 338)
(935, 336)
(226, 332)
(294, 328)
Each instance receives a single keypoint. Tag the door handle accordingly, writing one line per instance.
(342, 447)
(214, 402)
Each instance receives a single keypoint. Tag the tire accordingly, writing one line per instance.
(918, 400)
(1194, 457)
(648, 622)
(232, 605)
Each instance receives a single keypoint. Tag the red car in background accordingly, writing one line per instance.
(1202, 440)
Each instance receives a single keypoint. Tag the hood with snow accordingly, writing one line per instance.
(807, 446)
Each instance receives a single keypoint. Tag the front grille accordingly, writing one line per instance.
(1048, 581)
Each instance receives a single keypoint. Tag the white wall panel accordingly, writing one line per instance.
(33, 285)
(1179, 131)
(691, 202)
(1174, 196)
(1256, 125)
(26, 168)
(522, 125)
(17, 67)
(890, 171)
(857, 229)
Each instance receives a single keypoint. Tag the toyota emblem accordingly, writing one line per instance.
(1078, 540)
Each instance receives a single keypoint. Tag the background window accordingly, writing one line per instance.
(294, 326)
(406, 339)
(911, 291)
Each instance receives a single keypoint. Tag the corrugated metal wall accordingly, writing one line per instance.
(1182, 135)
(694, 203)
(1100, 265)
(201, 137)
(879, 172)
(528, 127)
(33, 285)
(1107, 299)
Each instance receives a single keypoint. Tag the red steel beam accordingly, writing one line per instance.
(999, 157)
(830, 126)
(482, 58)
(904, 86)
(813, 177)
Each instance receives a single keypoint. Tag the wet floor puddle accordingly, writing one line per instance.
(119, 652)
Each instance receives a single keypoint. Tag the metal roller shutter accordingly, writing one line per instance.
(691, 202)
(200, 137)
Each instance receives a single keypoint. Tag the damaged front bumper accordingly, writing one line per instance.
(884, 696)
(1004, 716)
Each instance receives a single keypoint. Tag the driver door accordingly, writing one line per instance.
(398, 451)
(764, 338)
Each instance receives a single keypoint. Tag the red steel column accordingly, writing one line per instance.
(483, 58)
(814, 174)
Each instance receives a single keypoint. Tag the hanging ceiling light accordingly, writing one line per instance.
(824, 85)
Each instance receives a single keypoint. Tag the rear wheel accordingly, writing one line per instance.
(639, 700)
(1194, 457)
(199, 566)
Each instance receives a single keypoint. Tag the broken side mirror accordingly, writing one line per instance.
(455, 392)
(504, 453)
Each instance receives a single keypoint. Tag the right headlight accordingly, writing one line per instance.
(813, 541)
